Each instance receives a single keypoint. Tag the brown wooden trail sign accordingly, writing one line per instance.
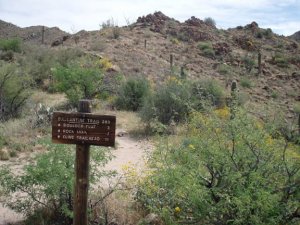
(83, 129)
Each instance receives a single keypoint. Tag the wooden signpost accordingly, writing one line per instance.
(83, 129)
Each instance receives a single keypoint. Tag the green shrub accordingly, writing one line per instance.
(268, 33)
(280, 60)
(207, 90)
(176, 99)
(249, 63)
(116, 31)
(274, 94)
(210, 21)
(10, 44)
(259, 35)
(132, 94)
(246, 83)
(224, 171)
(170, 103)
(207, 49)
(296, 108)
(78, 80)
(15, 88)
(7, 55)
(47, 184)
(224, 69)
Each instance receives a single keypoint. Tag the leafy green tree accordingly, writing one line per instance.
(47, 184)
(170, 103)
(225, 171)
(14, 90)
(10, 44)
(78, 80)
(132, 94)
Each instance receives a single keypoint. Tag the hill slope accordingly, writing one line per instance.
(198, 48)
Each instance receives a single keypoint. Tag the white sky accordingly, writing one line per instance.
(282, 16)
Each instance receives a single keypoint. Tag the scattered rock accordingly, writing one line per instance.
(190, 33)
(151, 219)
(122, 133)
(193, 21)
(221, 48)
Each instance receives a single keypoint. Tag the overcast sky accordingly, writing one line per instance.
(282, 16)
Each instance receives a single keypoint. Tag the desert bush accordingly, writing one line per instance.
(224, 69)
(105, 64)
(280, 60)
(132, 94)
(116, 31)
(173, 101)
(14, 90)
(210, 21)
(259, 35)
(246, 83)
(10, 44)
(207, 49)
(224, 171)
(249, 63)
(7, 55)
(47, 184)
(170, 103)
(78, 80)
(268, 33)
(207, 90)
(108, 23)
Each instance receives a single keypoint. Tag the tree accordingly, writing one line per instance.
(78, 80)
(132, 94)
(14, 90)
(47, 184)
(225, 171)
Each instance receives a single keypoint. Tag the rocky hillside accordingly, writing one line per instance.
(296, 36)
(265, 65)
(31, 34)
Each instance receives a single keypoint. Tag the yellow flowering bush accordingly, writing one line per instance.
(224, 170)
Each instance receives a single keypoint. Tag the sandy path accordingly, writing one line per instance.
(128, 151)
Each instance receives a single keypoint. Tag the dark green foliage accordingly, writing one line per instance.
(259, 35)
(47, 184)
(280, 60)
(207, 49)
(14, 90)
(207, 90)
(246, 83)
(268, 33)
(225, 171)
(7, 55)
(170, 102)
(210, 21)
(132, 94)
(78, 80)
(173, 101)
(10, 44)
(249, 63)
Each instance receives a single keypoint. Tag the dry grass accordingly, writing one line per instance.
(118, 208)
(50, 100)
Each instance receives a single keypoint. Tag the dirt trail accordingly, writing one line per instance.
(128, 150)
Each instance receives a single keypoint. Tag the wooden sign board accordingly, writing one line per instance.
(83, 128)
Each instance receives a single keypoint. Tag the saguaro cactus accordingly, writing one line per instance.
(171, 61)
(233, 102)
(43, 34)
(259, 63)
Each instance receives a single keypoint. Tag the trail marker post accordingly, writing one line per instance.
(83, 129)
